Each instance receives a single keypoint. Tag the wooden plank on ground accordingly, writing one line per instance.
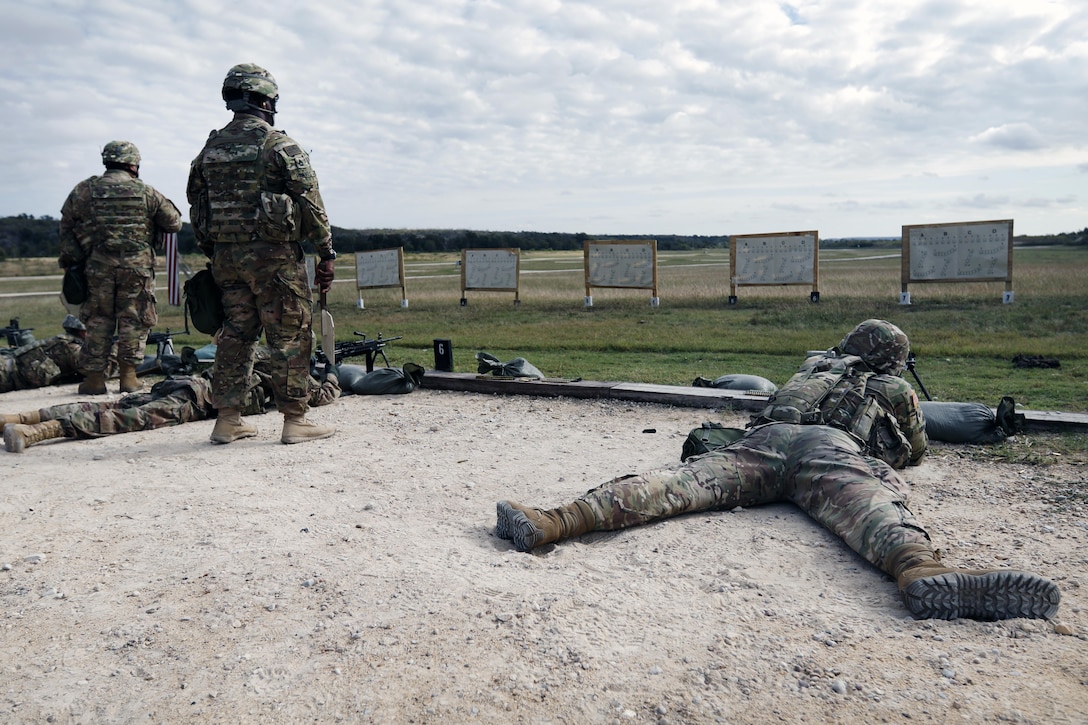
(684, 396)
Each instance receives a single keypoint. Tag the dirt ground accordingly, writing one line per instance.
(155, 577)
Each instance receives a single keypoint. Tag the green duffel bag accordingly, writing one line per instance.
(709, 437)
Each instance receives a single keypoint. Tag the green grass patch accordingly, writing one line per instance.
(963, 335)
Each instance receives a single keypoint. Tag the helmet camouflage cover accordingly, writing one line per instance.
(121, 152)
(248, 78)
(882, 345)
(73, 324)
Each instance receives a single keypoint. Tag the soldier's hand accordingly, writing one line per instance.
(324, 273)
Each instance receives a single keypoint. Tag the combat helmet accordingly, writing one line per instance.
(73, 324)
(121, 152)
(882, 345)
(246, 80)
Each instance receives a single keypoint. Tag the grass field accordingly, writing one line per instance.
(963, 335)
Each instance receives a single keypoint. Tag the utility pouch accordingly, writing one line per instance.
(278, 218)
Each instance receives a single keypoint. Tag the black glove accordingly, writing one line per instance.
(324, 272)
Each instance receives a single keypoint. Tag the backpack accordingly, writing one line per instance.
(74, 286)
(827, 390)
(830, 390)
(204, 302)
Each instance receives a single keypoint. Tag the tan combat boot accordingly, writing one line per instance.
(933, 591)
(94, 383)
(229, 427)
(532, 527)
(30, 417)
(297, 429)
(129, 382)
(18, 436)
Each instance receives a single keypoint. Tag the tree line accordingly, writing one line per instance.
(27, 236)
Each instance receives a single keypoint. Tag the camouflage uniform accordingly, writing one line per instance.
(820, 469)
(254, 198)
(851, 418)
(832, 475)
(110, 223)
(170, 402)
(51, 361)
(818, 462)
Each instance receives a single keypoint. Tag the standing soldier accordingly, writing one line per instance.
(109, 223)
(253, 200)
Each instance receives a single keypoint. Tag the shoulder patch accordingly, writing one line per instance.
(292, 150)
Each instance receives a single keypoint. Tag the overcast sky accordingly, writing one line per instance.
(849, 117)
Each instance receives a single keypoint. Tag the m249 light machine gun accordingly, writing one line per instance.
(17, 336)
(368, 348)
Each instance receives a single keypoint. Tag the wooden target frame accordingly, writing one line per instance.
(491, 270)
(378, 269)
(622, 264)
(774, 259)
(957, 252)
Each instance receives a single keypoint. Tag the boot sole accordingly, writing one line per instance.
(991, 596)
(232, 437)
(13, 442)
(291, 440)
(514, 525)
(502, 521)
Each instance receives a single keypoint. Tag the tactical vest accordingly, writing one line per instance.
(35, 365)
(829, 390)
(119, 210)
(240, 206)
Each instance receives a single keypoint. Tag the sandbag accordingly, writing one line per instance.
(737, 381)
(519, 367)
(383, 381)
(206, 353)
(971, 422)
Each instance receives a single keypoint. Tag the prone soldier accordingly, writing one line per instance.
(52, 361)
(170, 402)
(829, 441)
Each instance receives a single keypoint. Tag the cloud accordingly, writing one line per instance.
(1012, 136)
(569, 115)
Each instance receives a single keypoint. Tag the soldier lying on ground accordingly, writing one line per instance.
(172, 401)
(828, 441)
(52, 361)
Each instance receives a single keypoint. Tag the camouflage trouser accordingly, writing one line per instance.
(135, 412)
(9, 379)
(264, 286)
(820, 469)
(121, 301)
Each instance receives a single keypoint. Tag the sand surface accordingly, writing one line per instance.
(155, 577)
